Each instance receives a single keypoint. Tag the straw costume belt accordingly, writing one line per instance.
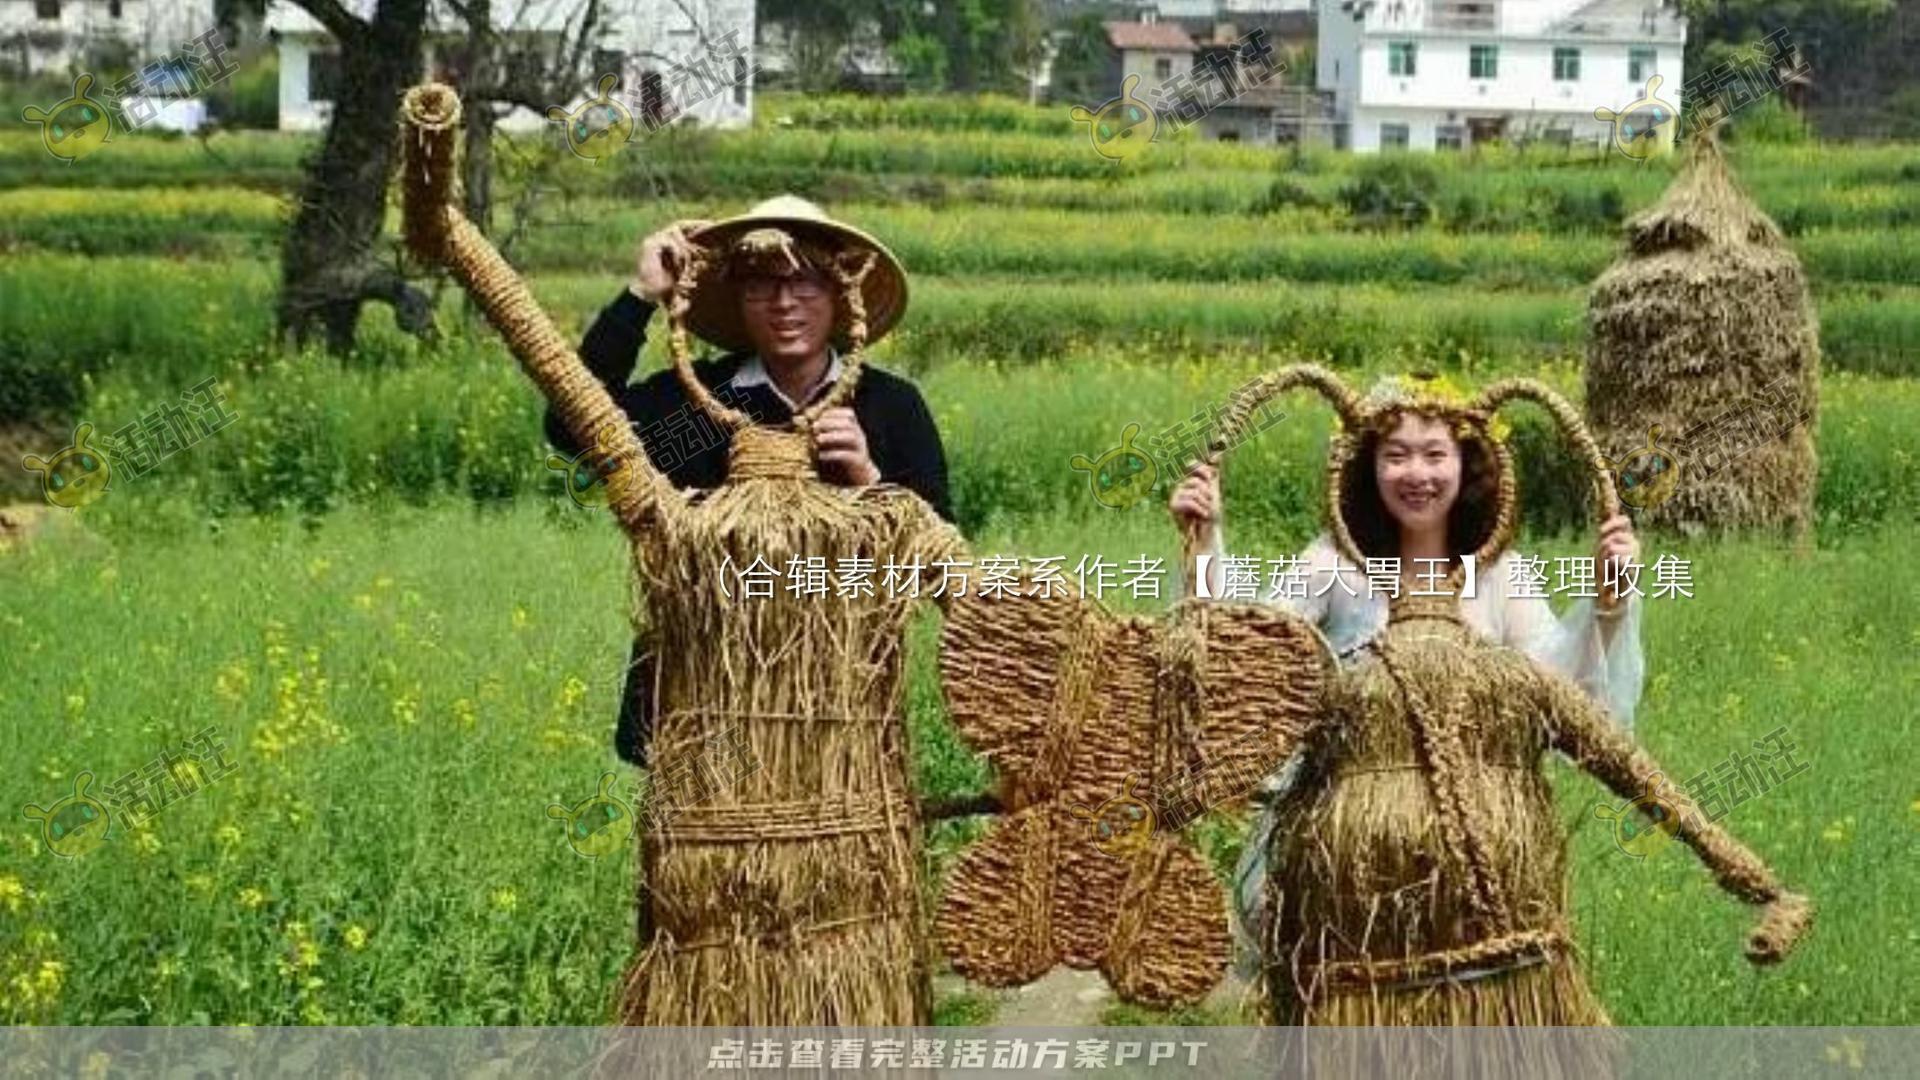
(1494, 956)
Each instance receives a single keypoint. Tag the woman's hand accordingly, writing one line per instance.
(662, 254)
(1618, 545)
(841, 445)
(1195, 504)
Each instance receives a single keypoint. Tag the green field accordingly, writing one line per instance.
(372, 587)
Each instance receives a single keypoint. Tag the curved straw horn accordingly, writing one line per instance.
(1491, 399)
(849, 270)
(439, 232)
(1254, 394)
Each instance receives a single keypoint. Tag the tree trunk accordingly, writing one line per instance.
(330, 264)
(481, 71)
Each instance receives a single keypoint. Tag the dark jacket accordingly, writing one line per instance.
(691, 449)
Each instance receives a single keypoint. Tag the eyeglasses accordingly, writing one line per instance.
(759, 290)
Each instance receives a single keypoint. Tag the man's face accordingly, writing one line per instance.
(789, 318)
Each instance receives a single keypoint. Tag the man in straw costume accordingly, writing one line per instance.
(1417, 869)
(791, 895)
(781, 324)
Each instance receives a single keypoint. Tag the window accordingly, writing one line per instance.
(1483, 62)
(46, 9)
(1393, 136)
(740, 80)
(1449, 137)
(1566, 65)
(323, 75)
(1401, 57)
(113, 9)
(653, 99)
(1640, 64)
(1163, 69)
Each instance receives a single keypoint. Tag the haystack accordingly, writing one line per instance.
(1705, 330)
(790, 896)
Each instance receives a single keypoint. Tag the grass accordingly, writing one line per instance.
(371, 588)
(404, 692)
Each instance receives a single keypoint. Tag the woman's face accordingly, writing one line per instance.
(1417, 468)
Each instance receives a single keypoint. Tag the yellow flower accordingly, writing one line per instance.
(146, 843)
(167, 968)
(76, 703)
(200, 882)
(95, 1067)
(317, 568)
(505, 899)
(251, 898)
(227, 835)
(47, 980)
(12, 893)
(355, 936)
(519, 617)
(306, 954)
(363, 601)
(463, 712)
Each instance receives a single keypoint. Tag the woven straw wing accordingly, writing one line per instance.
(1082, 711)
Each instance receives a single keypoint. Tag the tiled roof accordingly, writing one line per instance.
(1135, 35)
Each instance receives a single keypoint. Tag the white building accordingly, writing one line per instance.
(1432, 74)
(647, 44)
(38, 36)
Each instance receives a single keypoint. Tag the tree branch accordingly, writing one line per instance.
(344, 25)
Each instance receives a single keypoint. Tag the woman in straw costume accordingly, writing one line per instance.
(784, 889)
(1416, 865)
(1426, 490)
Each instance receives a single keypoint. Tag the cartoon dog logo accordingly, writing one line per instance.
(76, 476)
(1648, 476)
(600, 126)
(1123, 476)
(1629, 835)
(1122, 824)
(74, 128)
(1644, 128)
(76, 824)
(1122, 127)
(599, 825)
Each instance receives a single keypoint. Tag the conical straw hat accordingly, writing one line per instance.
(715, 312)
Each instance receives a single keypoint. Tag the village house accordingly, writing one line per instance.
(1445, 74)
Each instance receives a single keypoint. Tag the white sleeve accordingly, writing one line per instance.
(1571, 645)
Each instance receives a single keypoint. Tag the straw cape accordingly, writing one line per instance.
(1704, 338)
(1419, 875)
(791, 895)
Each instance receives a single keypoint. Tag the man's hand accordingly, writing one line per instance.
(842, 448)
(661, 256)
